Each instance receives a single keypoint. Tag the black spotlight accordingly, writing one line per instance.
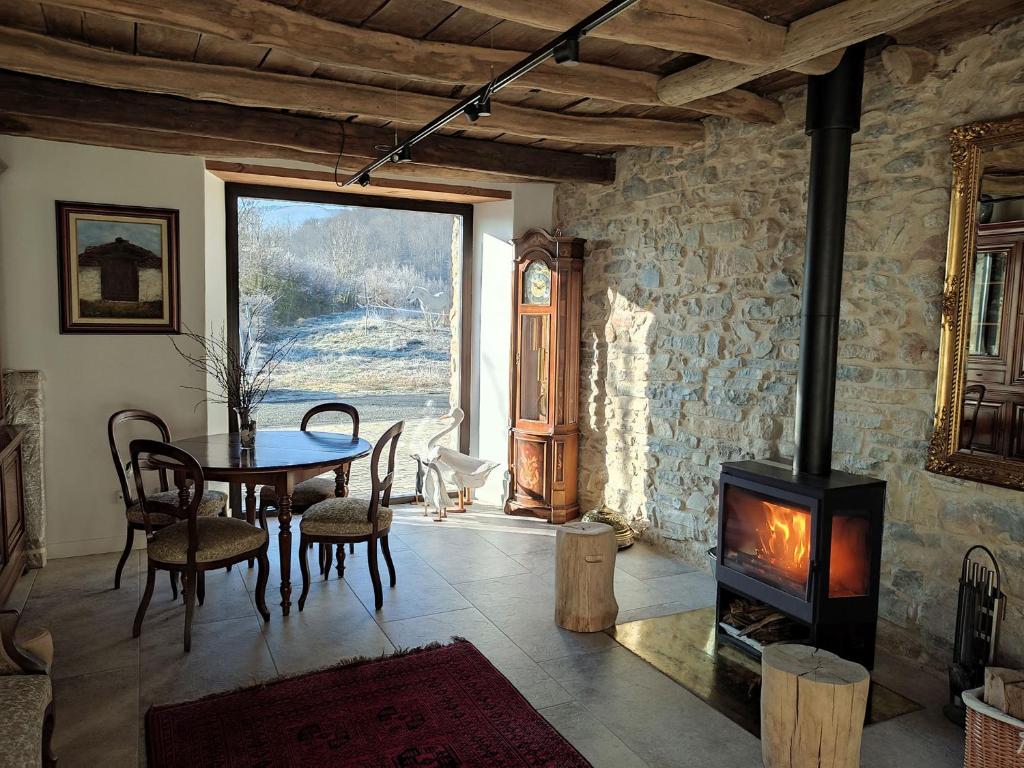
(404, 155)
(567, 52)
(472, 112)
(364, 180)
(483, 106)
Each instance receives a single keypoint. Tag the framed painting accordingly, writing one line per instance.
(118, 269)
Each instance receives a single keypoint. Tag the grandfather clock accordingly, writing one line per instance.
(544, 436)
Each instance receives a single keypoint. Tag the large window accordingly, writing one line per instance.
(372, 294)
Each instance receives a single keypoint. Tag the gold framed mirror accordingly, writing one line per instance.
(979, 407)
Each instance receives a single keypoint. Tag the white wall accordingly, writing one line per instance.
(495, 224)
(88, 377)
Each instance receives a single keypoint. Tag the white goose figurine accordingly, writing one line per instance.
(435, 492)
(467, 472)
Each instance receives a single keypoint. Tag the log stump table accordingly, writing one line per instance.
(812, 708)
(585, 577)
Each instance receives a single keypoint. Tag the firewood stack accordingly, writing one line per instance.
(1004, 690)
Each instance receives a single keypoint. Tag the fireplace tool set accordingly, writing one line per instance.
(981, 605)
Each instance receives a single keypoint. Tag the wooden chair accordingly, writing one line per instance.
(977, 391)
(26, 694)
(193, 544)
(349, 520)
(317, 489)
(163, 503)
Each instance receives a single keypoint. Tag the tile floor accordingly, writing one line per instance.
(484, 576)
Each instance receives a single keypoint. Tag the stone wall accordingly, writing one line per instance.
(691, 327)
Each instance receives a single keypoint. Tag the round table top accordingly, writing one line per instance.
(275, 451)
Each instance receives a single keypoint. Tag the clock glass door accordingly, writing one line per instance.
(533, 367)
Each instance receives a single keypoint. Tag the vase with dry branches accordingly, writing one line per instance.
(239, 380)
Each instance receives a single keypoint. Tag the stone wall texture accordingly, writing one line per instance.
(691, 328)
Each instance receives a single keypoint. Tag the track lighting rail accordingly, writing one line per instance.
(564, 49)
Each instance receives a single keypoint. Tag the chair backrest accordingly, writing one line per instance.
(381, 487)
(978, 391)
(335, 408)
(153, 454)
(113, 425)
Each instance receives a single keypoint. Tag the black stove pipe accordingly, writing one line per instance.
(833, 116)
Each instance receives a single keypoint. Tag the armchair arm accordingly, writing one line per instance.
(13, 655)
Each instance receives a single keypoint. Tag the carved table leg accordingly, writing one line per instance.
(250, 509)
(284, 541)
(341, 480)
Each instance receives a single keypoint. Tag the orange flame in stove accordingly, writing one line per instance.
(785, 539)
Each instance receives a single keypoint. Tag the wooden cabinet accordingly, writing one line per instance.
(12, 511)
(544, 436)
(995, 345)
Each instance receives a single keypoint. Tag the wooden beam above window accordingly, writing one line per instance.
(297, 178)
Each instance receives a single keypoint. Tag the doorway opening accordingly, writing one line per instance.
(373, 292)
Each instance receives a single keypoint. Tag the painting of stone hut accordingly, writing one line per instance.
(118, 269)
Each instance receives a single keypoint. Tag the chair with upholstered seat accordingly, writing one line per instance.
(349, 520)
(192, 544)
(317, 489)
(26, 694)
(162, 503)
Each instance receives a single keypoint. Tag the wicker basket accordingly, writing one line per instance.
(993, 738)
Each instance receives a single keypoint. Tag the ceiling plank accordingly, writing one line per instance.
(35, 97)
(689, 26)
(256, 22)
(818, 34)
(31, 53)
(299, 178)
(166, 42)
(107, 32)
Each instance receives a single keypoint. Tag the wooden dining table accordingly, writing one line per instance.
(280, 459)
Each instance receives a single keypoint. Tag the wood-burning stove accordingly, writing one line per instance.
(806, 545)
(800, 546)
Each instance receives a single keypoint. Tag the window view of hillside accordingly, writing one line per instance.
(367, 293)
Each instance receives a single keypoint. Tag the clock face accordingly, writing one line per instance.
(537, 284)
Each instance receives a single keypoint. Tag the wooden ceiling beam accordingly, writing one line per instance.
(816, 35)
(688, 26)
(330, 42)
(32, 53)
(297, 178)
(261, 23)
(74, 132)
(33, 97)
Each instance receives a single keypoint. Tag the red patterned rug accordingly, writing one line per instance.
(438, 707)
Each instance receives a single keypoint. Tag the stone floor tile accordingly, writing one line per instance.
(91, 633)
(334, 626)
(225, 655)
(226, 598)
(645, 562)
(652, 611)
(523, 608)
(88, 575)
(420, 591)
(594, 741)
(656, 718)
(97, 719)
(22, 589)
(698, 589)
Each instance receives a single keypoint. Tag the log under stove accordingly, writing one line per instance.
(799, 544)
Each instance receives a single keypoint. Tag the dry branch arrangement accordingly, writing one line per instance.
(240, 381)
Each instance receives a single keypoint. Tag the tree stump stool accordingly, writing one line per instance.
(585, 577)
(812, 708)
